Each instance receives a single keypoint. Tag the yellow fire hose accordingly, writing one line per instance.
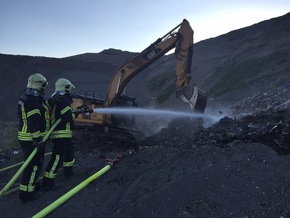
(7, 186)
(17, 164)
(75, 190)
(11, 191)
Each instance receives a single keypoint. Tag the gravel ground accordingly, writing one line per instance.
(206, 174)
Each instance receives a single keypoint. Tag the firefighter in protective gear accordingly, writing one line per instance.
(33, 125)
(60, 105)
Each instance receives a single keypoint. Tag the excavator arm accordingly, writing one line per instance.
(182, 41)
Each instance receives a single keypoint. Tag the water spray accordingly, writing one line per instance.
(155, 112)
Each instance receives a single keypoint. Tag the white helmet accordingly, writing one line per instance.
(37, 81)
(63, 85)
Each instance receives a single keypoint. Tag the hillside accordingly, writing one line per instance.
(14, 70)
(240, 60)
(111, 56)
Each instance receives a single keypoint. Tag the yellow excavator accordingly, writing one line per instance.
(182, 41)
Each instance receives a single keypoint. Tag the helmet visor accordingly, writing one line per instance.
(43, 85)
(69, 87)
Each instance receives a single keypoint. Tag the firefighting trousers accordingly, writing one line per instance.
(62, 155)
(32, 171)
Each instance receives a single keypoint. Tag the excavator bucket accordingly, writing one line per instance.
(195, 97)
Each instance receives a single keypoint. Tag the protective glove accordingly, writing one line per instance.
(76, 112)
(85, 108)
(88, 109)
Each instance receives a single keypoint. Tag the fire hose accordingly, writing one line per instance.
(75, 190)
(24, 165)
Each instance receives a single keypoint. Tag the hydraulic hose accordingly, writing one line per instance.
(7, 186)
(72, 192)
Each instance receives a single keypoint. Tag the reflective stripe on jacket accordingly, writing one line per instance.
(61, 104)
(33, 116)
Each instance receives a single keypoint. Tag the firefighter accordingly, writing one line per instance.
(33, 125)
(60, 105)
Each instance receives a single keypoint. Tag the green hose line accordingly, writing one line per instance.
(17, 164)
(12, 166)
(7, 186)
(15, 189)
(11, 191)
(71, 193)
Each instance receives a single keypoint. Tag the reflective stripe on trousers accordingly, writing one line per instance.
(30, 186)
(69, 164)
(52, 174)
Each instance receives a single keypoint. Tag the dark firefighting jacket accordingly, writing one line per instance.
(33, 116)
(60, 105)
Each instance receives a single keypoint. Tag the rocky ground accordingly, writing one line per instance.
(237, 167)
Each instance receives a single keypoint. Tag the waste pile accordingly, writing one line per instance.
(273, 96)
(269, 128)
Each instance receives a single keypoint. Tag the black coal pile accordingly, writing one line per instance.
(271, 128)
(179, 132)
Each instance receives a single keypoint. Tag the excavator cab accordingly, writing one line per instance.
(89, 98)
(125, 101)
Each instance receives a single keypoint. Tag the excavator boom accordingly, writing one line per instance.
(182, 41)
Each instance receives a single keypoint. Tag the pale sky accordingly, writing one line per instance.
(61, 28)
